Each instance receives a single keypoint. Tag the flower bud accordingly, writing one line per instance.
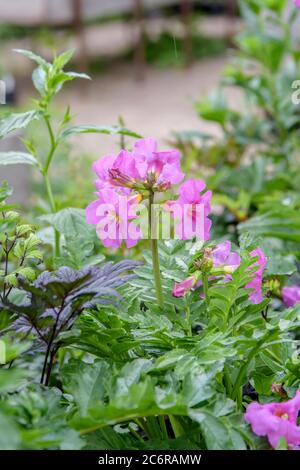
(182, 288)
(117, 178)
(279, 390)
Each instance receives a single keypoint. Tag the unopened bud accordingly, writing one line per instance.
(279, 390)
(120, 179)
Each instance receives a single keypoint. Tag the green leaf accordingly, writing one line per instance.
(32, 56)
(109, 130)
(215, 432)
(17, 158)
(215, 109)
(14, 121)
(27, 273)
(61, 60)
(72, 75)
(55, 84)
(85, 382)
(71, 222)
(280, 265)
(10, 439)
(5, 191)
(283, 223)
(12, 379)
(39, 78)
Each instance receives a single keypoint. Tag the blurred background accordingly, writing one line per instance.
(148, 59)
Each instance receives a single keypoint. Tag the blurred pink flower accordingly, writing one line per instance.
(276, 420)
(191, 210)
(222, 256)
(297, 3)
(256, 283)
(291, 295)
(113, 214)
(182, 288)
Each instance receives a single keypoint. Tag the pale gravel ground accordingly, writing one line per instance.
(155, 107)
(162, 103)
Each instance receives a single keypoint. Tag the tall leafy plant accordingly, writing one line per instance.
(48, 79)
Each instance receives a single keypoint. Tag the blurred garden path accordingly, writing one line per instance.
(157, 106)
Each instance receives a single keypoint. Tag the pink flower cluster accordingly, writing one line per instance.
(120, 179)
(297, 3)
(227, 262)
(276, 420)
(123, 180)
(221, 257)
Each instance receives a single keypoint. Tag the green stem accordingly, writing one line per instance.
(163, 427)
(188, 320)
(49, 192)
(143, 426)
(205, 290)
(53, 144)
(155, 256)
(176, 426)
(45, 172)
(136, 434)
(227, 379)
(153, 427)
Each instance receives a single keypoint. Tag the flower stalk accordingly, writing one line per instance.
(205, 289)
(155, 255)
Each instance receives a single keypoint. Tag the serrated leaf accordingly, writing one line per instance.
(14, 121)
(71, 222)
(23, 229)
(11, 279)
(27, 273)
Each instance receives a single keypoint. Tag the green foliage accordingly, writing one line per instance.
(48, 79)
(19, 248)
(89, 359)
(55, 300)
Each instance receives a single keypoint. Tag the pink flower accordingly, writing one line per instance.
(142, 168)
(101, 167)
(297, 3)
(113, 214)
(191, 210)
(291, 295)
(116, 170)
(256, 283)
(276, 420)
(182, 288)
(222, 256)
(163, 168)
